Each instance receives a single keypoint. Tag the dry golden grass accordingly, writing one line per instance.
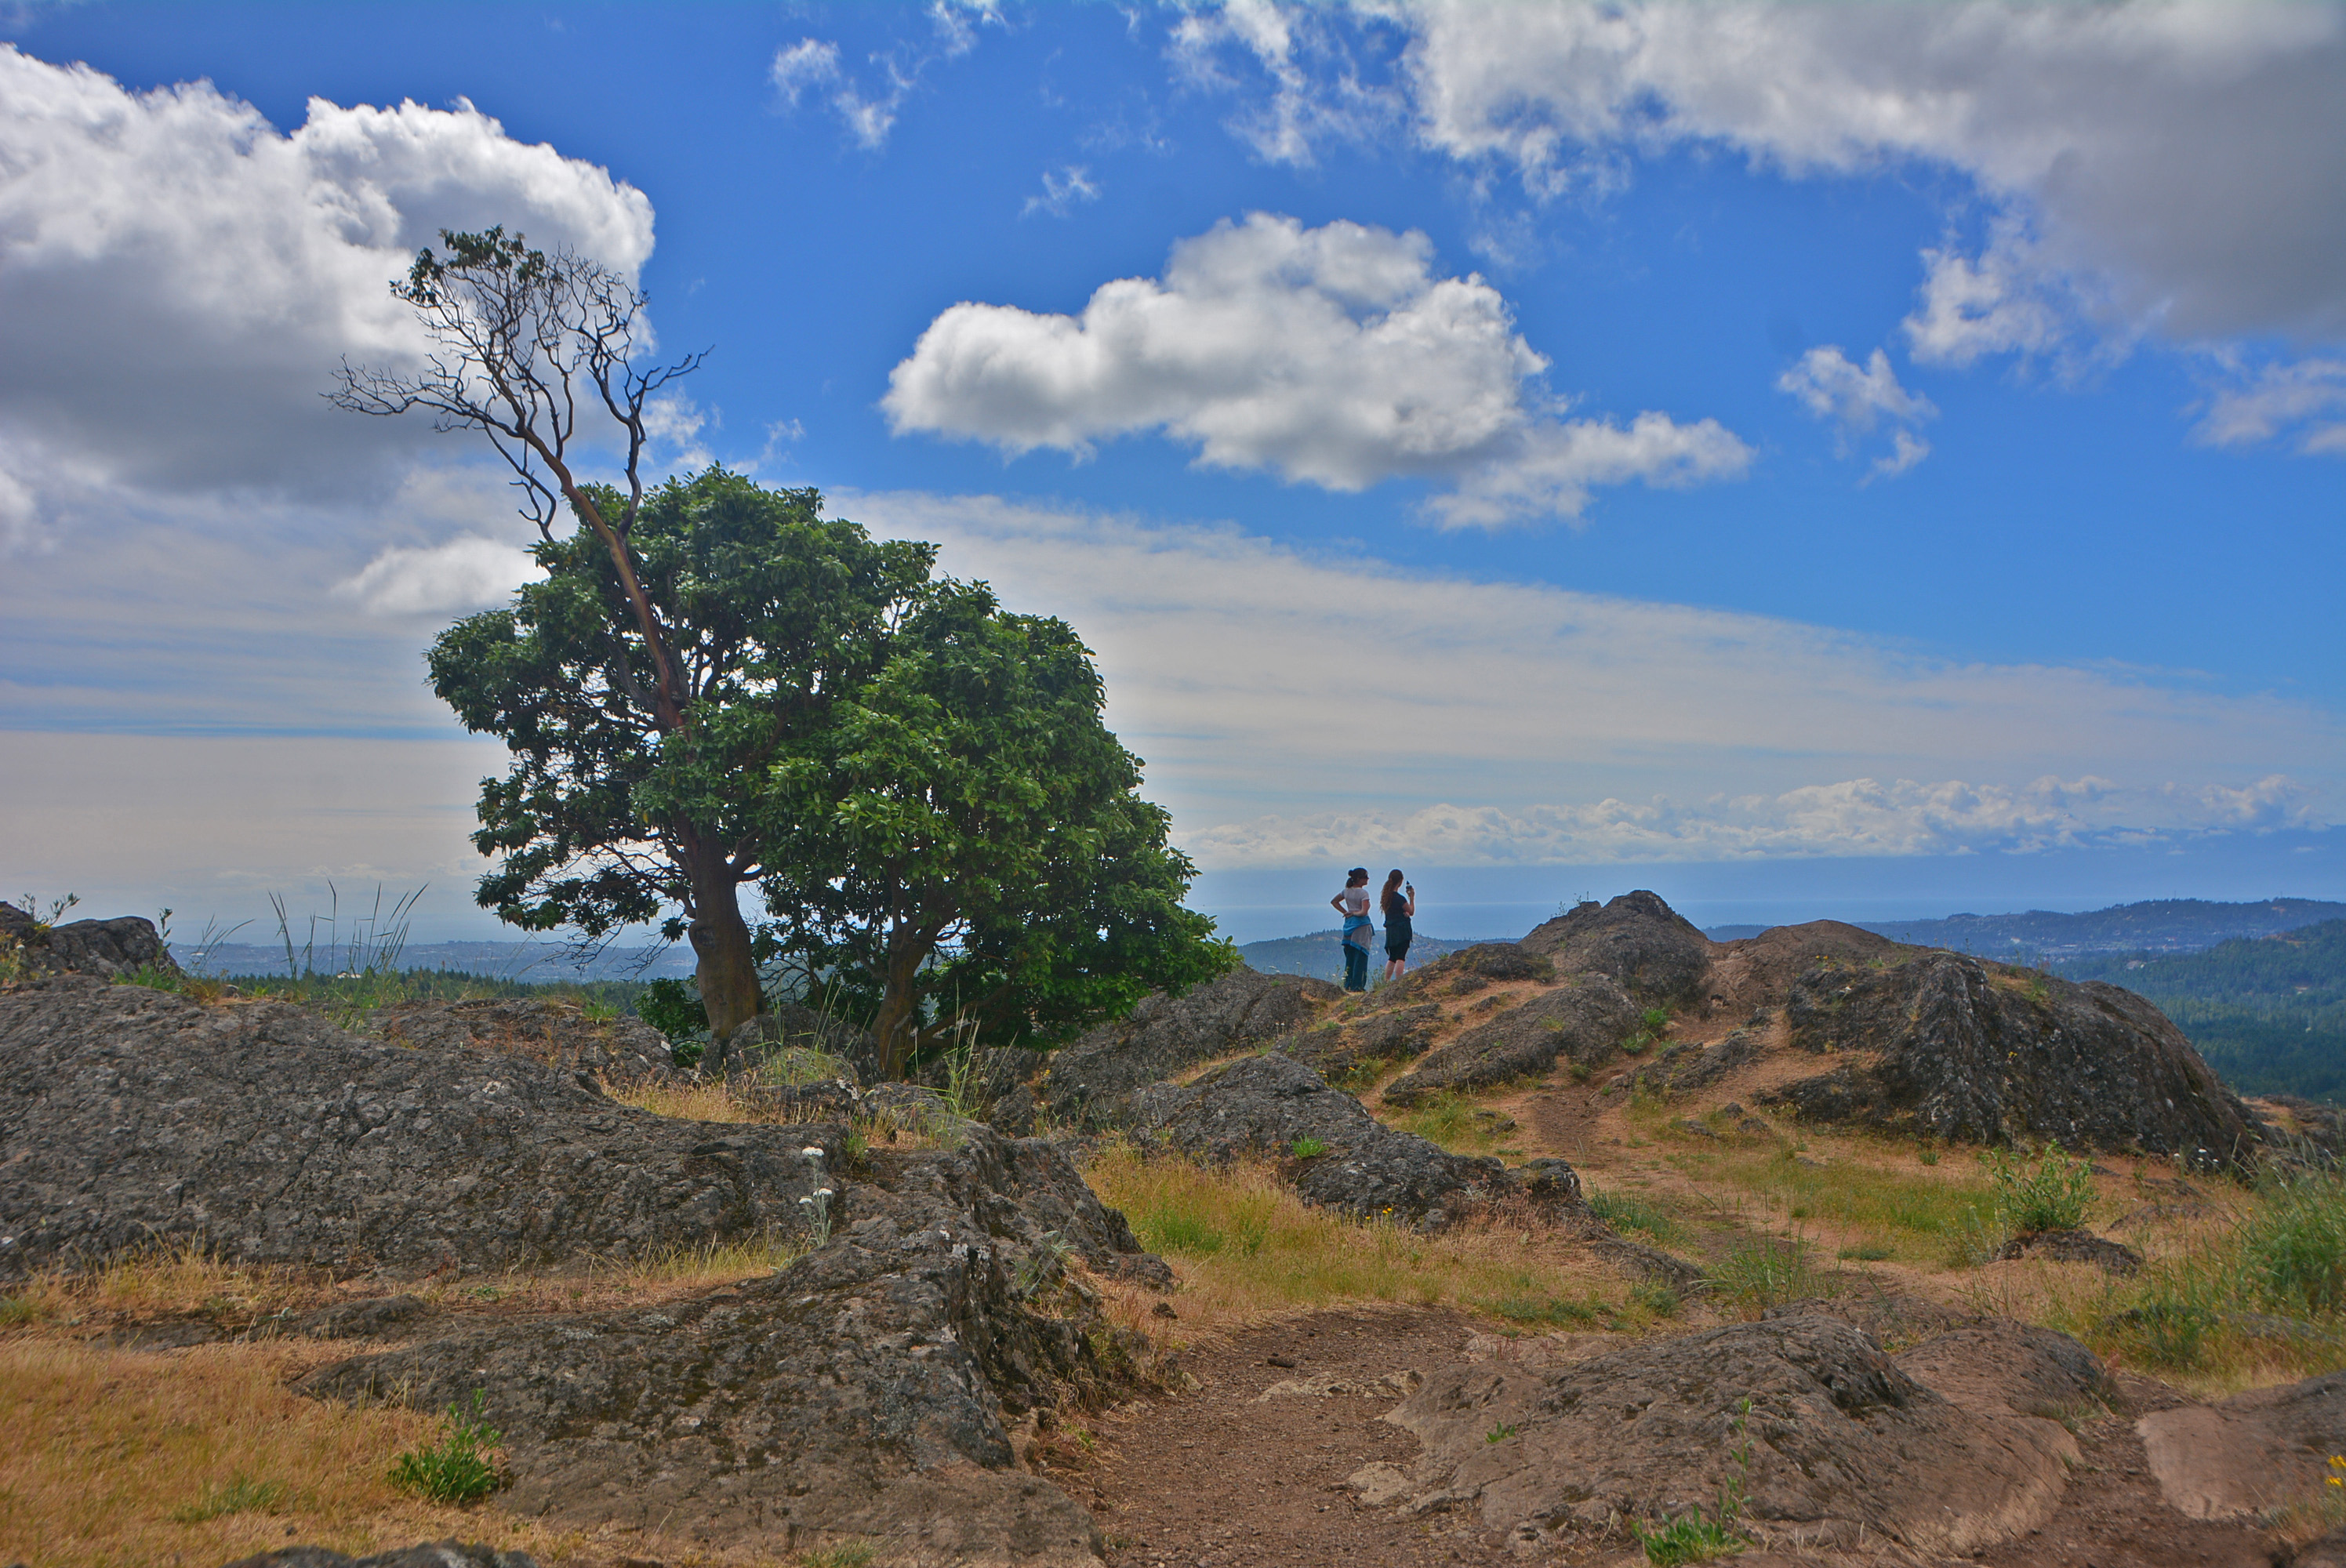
(709, 1102)
(1245, 1248)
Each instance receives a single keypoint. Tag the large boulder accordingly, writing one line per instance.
(1947, 1046)
(1843, 1442)
(1091, 1082)
(1655, 953)
(557, 1033)
(866, 1391)
(114, 949)
(129, 1116)
(1266, 1106)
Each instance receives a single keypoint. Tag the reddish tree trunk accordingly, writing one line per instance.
(727, 969)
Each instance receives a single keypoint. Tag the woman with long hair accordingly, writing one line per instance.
(1400, 903)
(1352, 903)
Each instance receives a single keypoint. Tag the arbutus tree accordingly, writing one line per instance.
(681, 636)
(962, 850)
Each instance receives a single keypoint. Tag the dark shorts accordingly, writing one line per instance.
(1397, 938)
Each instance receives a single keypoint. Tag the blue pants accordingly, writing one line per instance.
(1356, 967)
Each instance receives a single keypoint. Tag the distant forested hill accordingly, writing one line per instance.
(2269, 1014)
(2160, 926)
(1318, 956)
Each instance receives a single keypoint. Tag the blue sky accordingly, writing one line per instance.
(1804, 459)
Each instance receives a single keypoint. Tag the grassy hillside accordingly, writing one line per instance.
(2268, 1012)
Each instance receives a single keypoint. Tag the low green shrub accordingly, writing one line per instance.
(456, 1469)
(2051, 1194)
(2293, 1249)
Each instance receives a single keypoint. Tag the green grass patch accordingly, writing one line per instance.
(1625, 1214)
(1760, 1272)
(1245, 1244)
(1918, 1218)
(243, 1494)
(2259, 1296)
(1450, 1120)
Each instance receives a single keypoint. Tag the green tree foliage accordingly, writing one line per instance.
(964, 848)
(608, 816)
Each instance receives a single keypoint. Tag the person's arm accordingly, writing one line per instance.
(1336, 904)
(1412, 911)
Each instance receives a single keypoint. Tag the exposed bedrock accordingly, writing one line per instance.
(1266, 1106)
(557, 1033)
(1091, 1082)
(129, 1116)
(1943, 1045)
(1845, 1442)
(867, 1390)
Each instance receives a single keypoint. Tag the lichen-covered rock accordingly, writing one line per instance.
(1584, 1019)
(1336, 1048)
(1091, 1083)
(557, 1034)
(1843, 1442)
(430, 1554)
(1684, 1068)
(113, 949)
(1265, 1105)
(129, 1116)
(1650, 949)
(860, 1393)
(1947, 1046)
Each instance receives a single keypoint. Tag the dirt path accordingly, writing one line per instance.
(1215, 1478)
(1221, 1478)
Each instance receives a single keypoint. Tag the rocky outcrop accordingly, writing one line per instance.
(1584, 1019)
(1265, 1105)
(865, 1392)
(1946, 1046)
(1843, 1442)
(1650, 950)
(2264, 1450)
(1684, 1069)
(1342, 1048)
(1091, 1083)
(556, 1033)
(129, 1116)
(113, 949)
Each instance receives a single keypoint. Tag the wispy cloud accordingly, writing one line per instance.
(1264, 682)
(1062, 188)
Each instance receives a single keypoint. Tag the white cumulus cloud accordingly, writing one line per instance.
(1333, 355)
(181, 278)
(2173, 167)
(461, 576)
(1857, 400)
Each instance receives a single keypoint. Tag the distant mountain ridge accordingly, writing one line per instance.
(1316, 955)
(539, 962)
(2154, 926)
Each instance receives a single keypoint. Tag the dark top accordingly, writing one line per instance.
(1396, 904)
